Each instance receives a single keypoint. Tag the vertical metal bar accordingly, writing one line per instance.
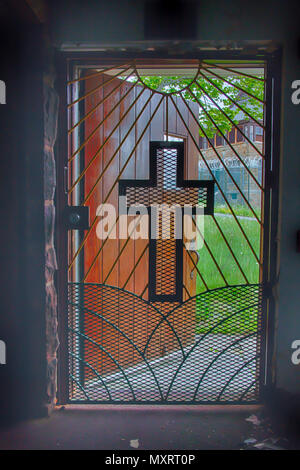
(61, 151)
(167, 117)
(79, 265)
(270, 247)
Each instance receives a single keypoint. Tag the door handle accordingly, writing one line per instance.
(76, 218)
(194, 267)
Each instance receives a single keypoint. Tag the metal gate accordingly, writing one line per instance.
(165, 318)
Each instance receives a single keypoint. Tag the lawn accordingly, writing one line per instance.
(242, 210)
(207, 314)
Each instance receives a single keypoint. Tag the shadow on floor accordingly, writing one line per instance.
(156, 428)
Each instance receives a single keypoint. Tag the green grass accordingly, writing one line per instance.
(244, 321)
(225, 321)
(241, 210)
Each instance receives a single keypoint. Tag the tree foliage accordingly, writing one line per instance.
(205, 91)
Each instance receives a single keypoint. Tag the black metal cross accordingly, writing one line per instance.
(167, 185)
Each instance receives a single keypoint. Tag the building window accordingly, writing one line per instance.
(251, 133)
(203, 143)
(219, 141)
(169, 177)
(231, 136)
(173, 138)
(258, 134)
(239, 136)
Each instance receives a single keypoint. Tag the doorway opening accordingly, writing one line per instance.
(161, 319)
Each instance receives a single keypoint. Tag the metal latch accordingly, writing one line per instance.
(77, 218)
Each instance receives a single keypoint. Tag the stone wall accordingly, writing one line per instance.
(50, 132)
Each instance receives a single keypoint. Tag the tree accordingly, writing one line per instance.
(210, 93)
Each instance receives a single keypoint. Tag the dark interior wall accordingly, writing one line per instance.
(22, 319)
(110, 22)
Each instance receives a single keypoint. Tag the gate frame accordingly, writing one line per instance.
(65, 61)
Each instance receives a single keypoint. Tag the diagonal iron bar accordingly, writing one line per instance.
(232, 101)
(223, 163)
(97, 88)
(217, 184)
(236, 86)
(89, 114)
(97, 74)
(101, 123)
(211, 65)
(231, 121)
(116, 181)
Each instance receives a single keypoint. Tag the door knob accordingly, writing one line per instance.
(76, 218)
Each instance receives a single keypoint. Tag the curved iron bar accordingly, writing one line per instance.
(169, 313)
(98, 315)
(195, 297)
(205, 293)
(236, 373)
(164, 318)
(108, 354)
(219, 355)
(163, 92)
(114, 288)
(202, 338)
(79, 385)
(94, 370)
(248, 388)
(149, 304)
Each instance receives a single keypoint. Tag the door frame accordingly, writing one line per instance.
(65, 61)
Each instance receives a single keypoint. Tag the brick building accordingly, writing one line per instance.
(220, 152)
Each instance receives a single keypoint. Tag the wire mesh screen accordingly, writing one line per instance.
(166, 190)
(206, 349)
(163, 321)
(165, 255)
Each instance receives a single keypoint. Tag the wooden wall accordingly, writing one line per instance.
(118, 257)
